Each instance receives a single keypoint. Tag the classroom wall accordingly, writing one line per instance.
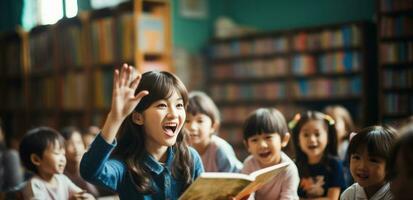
(284, 14)
(10, 14)
(193, 34)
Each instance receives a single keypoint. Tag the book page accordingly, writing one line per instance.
(262, 176)
(214, 188)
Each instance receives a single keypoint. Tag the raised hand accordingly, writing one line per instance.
(124, 99)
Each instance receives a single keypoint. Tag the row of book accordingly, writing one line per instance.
(15, 96)
(347, 36)
(336, 62)
(46, 98)
(395, 52)
(395, 5)
(324, 87)
(398, 103)
(274, 67)
(42, 51)
(238, 114)
(10, 57)
(71, 45)
(396, 26)
(398, 78)
(75, 91)
(232, 135)
(115, 38)
(257, 91)
(258, 46)
(103, 84)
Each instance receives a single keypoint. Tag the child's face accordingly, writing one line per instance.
(313, 139)
(199, 128)
(368, 171)
(266, 148)
(75, 148)
(162, 121)
(53, 160)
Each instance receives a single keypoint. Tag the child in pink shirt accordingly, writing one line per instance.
(265, 134)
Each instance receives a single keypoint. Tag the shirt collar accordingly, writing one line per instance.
(156, 166)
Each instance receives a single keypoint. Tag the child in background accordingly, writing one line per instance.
(151, 160)
(369, 152)
(42, 152)
(344, 126)
(321, 173)
(90, 135)
(265, 134)
(75, 149)
(400, 165)
(202, 122)
(11, 175)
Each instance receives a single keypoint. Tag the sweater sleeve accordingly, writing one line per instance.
(290, 183)
(97, 168)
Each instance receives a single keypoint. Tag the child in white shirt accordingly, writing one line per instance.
(42, 152)
(369, 152)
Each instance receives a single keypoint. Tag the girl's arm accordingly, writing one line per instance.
(333, 193)
(123, 101)
(96, 167)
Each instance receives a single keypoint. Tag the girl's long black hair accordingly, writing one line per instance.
(131, 145)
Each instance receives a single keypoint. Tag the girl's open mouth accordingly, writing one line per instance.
(170, 129)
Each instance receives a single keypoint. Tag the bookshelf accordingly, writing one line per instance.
(294, 70)
(395, 40)
(13, 84)
(66, 78)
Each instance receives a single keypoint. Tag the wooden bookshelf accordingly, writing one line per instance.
(395, 41)
(61, 74)
(13, 84)
(294, 70)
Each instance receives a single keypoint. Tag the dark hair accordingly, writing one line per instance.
(377, 140)
(68, 131)
(265, 120)
(131, 147)
(337, 111)
(331, 149)
(36, 142)
(404, 148)
(199, 102)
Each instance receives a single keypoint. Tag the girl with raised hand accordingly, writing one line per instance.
(151, 159)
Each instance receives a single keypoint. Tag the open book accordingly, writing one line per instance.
(221, 185)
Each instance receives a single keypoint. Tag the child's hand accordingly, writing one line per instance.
(83, 195)
(123, 95)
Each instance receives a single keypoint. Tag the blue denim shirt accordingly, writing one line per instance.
(96, 167)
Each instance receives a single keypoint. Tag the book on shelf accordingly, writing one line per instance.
(223, 185)
(151, 33)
